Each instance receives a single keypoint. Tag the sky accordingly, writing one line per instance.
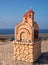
(11, 12)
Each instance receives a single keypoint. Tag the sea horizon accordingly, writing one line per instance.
(11, 31)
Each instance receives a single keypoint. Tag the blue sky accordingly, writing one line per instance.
(11, 12)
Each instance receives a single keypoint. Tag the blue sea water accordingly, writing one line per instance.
(6, 31)
(43, 31)
(11, 31)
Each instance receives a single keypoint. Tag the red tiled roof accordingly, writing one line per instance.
(30, 11)
(26, 14)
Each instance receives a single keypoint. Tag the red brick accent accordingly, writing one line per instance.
(26, 14)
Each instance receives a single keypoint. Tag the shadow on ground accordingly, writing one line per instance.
(43, 59)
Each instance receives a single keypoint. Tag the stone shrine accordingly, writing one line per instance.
(27, 45)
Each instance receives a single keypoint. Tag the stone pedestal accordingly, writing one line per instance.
(28, 52)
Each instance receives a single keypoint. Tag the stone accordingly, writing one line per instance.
(27, 46)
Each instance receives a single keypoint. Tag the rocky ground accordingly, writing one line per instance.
(6, 53)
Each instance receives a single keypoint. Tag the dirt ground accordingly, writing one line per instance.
(6, 53)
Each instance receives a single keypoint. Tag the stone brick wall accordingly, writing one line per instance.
(27, 51)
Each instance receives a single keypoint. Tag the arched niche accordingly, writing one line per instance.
(23, 36)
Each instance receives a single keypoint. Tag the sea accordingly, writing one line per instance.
(11, 31)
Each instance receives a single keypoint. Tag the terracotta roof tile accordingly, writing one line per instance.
(26, 14)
